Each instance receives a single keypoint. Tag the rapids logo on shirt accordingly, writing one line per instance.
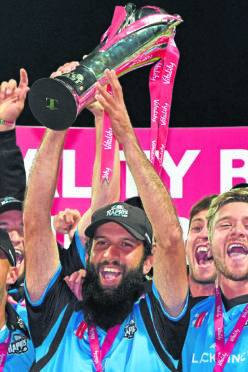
(130, 329)
(19, 345)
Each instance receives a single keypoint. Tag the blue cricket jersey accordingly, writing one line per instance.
(73, 258)
(21, 353)
(131, 351)
(199, 348)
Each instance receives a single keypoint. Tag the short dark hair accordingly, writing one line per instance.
(201, 205)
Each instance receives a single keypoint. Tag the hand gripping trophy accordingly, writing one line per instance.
(135, 38)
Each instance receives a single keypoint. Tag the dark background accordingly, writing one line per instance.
(211, 83)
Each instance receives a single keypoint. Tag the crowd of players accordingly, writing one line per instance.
(122, 297)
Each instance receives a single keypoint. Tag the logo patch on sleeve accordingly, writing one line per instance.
(19, 345)
(130, 329)
(200, 319)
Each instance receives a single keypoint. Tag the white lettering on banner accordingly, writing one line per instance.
(70, 190)
(131, 188)
(227, 172)
(176, 173)
(28, 161)
(69, 178)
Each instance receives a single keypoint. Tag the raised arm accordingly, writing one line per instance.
(42, 258)
(101, 193)
(12, 99)
(169, 259)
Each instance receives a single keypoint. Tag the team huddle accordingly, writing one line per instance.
(128, 294)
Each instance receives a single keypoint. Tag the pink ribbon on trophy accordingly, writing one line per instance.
(160, 83)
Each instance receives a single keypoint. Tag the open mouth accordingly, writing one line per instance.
(19, 257)
(110, 275)
(203, 255)
(237, 250)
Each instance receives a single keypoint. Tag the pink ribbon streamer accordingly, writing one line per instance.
(161, 86)
(108, 147)
(223, 350)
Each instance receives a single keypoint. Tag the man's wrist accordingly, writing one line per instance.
(6, 122)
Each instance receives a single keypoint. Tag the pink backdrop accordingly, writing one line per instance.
(198, 162)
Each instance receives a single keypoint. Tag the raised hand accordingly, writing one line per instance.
(12, 98)
(65, 222)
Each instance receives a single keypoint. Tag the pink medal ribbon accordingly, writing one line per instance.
(98, 353)
(223, 350)
(4, 351)
(108, 147)
(161, 86)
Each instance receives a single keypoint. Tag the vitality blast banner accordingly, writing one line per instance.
(197, 162)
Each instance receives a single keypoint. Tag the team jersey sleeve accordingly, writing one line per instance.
(13, 175)
(73, 258)
(171, 331)
(43, 314)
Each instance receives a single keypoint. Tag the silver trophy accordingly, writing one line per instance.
(132, 41)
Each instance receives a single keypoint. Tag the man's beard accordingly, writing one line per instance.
(108, 307)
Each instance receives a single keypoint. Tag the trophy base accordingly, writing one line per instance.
(52, 104)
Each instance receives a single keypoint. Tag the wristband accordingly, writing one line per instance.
(5, 122)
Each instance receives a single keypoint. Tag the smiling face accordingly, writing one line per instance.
(201, 266)
(114, 252)
(12, 222)
(229, 241)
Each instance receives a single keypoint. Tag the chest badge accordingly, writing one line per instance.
(130, 329)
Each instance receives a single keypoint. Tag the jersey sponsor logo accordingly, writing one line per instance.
(130, 329)
(209, 358)
(19, 345)
(200, 319)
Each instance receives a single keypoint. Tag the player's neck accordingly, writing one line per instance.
(232, 289)
(200, 289)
